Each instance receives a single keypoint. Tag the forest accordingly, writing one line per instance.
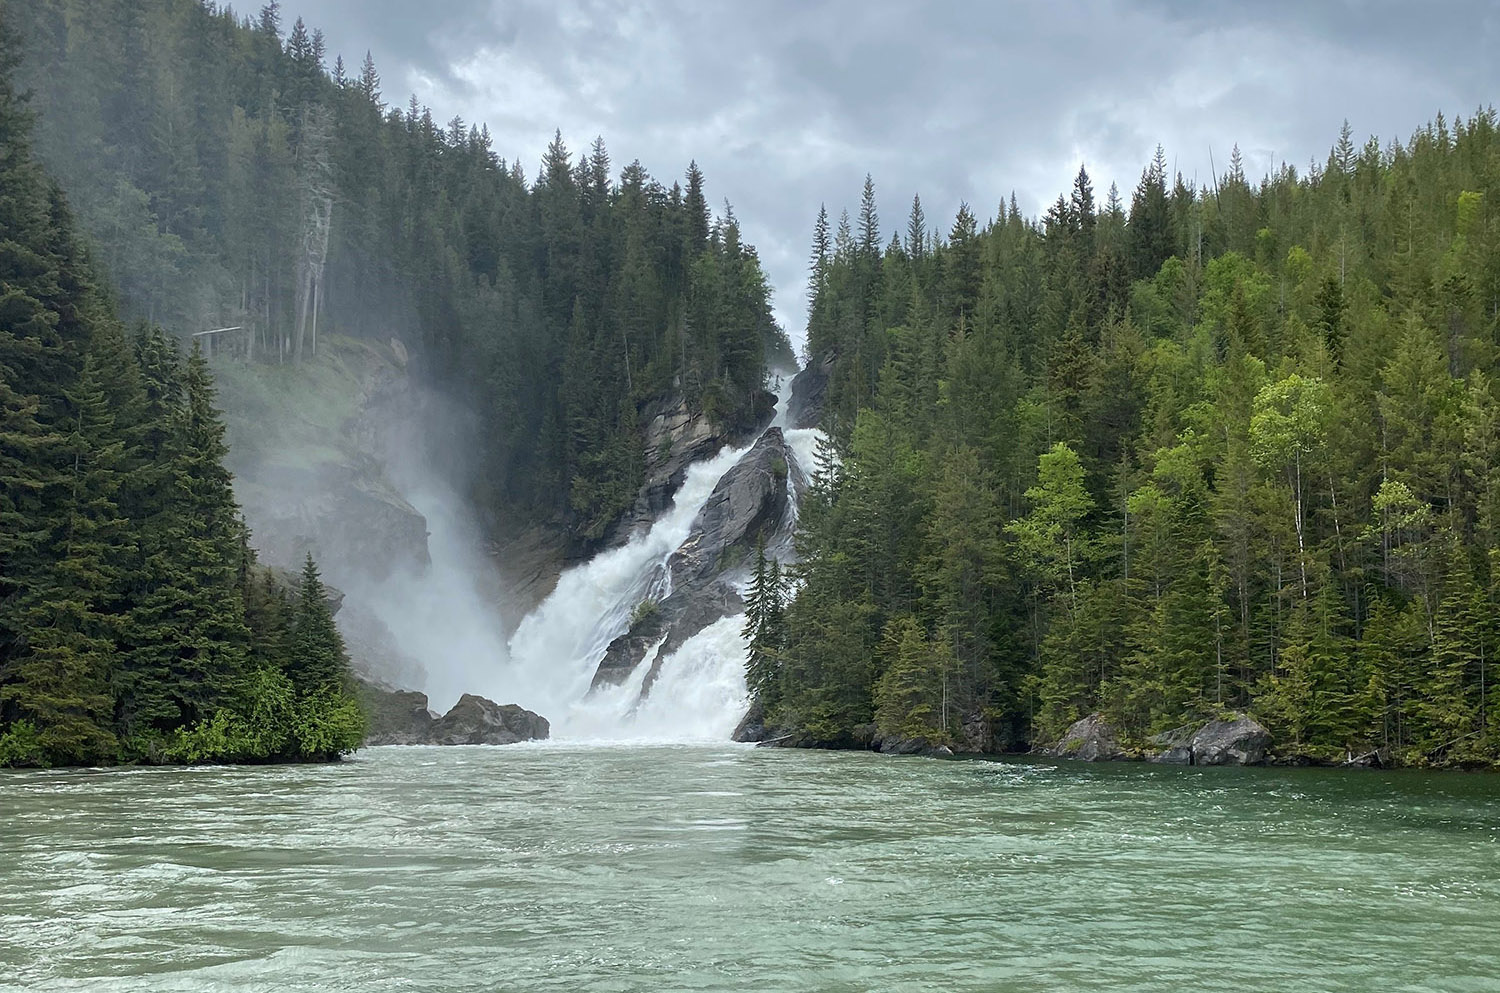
(229, 176)
(135, 624)
(172, 168)
(1223, 448)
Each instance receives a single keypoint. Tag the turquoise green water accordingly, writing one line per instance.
(725, 868)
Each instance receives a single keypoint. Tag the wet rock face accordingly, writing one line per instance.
(397, 717)
(1237, 742)
(675, 438)
(753, 501)
(1091, 739)
(810, 393)
(477, 721)
(401, 717)
(1241, 741)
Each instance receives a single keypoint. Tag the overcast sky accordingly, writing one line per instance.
(788, 104)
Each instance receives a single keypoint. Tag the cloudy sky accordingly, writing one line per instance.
(787, 104)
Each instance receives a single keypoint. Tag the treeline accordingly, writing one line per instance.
(1222, 448)
(230, 177)
(134, 623)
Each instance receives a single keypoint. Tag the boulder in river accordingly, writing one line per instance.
(898, 745)
(1091, 739)
(1237, 742)
(477, 721)
(402, 717)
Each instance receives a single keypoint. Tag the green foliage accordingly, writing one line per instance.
(911, 694)
(644, 611)
(1234, 449)
(209, 157)
(21, 746)
(132, 623)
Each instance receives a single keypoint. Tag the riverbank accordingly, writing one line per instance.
(1234, 739)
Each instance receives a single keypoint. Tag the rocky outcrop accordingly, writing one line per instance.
(753, 501)
(675, 437)
(397, 717)
(1172, 747)
(477, 721)
(1240, 741)
(309, 450)
(401, 717)
(1237, 742)
(898, 745)
(752, 727)
(1091, 739)
(810, 393)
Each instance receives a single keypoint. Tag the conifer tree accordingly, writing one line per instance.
(316, 660)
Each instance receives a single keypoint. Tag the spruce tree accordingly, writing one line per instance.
(316, 660)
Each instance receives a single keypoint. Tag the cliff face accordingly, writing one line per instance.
(307, 454)
(675, 438)
(753, 502)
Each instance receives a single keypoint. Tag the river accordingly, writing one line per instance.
(718, 867)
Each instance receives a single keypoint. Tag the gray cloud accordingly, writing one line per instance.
(786, 105)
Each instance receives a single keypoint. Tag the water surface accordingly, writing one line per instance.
(659, 868)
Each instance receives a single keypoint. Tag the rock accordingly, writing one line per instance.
(1091, 739)
(978, 734)
(752, 727)
(397, 717)
(1240, 741)
(1237, 742)
(528, 562)
(897, 745)
(310, 447)
(1375, 759)
(477, 721)
(1175, 755)
(753, 501)
(675, 437)
(402, 717)
(1172, 747)
(809, 393)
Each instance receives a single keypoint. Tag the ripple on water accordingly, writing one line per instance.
(562, 867)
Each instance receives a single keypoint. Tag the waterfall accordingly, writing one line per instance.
(699, 691)
(445, 616)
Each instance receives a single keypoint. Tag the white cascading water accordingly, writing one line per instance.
(445, 617)
(699, 692)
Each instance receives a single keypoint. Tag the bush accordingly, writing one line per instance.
(272, 724)
(643, 612)
(20, 745)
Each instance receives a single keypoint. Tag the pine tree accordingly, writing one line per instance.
(316, 658)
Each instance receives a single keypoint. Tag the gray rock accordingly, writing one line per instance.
(1175, 755)
(1376, 759)
(676, 436)
(752, 727)
(896, 745)
(1091, 739)
(477, 721)
(753, 501)
(810, 393)
(1237, 742)
(397, 717)
(402, 717)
